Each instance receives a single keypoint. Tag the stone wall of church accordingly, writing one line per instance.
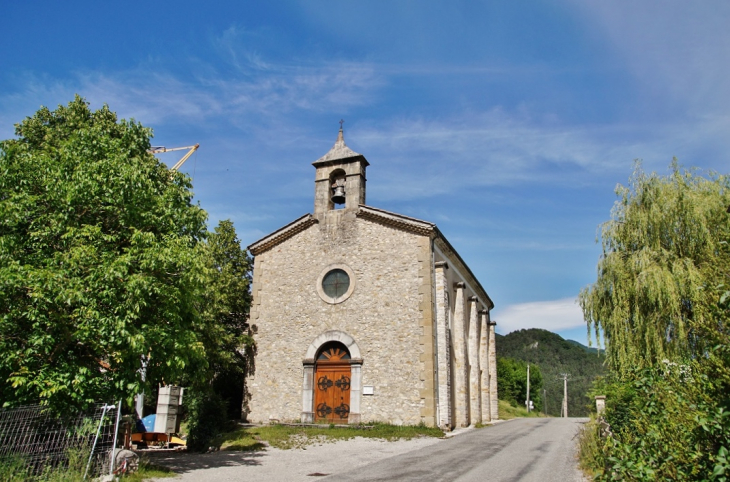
(389, 315)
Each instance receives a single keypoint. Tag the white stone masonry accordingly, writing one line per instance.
(484, 367)
(443, 341)
(475, 409)
(461, 380)
(493, 400)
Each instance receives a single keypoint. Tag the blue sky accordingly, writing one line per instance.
(508, 124)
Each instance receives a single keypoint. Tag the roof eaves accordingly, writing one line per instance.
(282, 234)
(440, 236)
(323, 161)
(397, 221)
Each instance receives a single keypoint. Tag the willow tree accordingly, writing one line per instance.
(664, 254)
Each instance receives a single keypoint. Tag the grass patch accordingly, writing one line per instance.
(148, 470)
(590, 454)
(507, 411)
(15, 470)
(288, 437)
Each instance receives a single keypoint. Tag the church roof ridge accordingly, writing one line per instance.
(282, 234)
(424, 228)
(445, 246)
(401, 217)
(338, 151)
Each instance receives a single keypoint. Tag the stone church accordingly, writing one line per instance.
(364, 315)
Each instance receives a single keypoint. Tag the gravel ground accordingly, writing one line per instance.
(525, 450)
(286, 465)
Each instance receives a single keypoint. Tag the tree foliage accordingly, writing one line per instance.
(662, 299)
(100, 261)
(512, 382)
(664, 249)
(668, 422)
(227, 301)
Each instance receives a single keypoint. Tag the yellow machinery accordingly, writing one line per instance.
(145, 439)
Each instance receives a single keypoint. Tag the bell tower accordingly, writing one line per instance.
(340, 179)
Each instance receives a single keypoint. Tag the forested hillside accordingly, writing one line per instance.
(555, 356)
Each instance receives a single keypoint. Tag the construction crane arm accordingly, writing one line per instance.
(185, 158)
(159, 150)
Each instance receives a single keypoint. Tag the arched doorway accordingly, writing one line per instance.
(332, 383)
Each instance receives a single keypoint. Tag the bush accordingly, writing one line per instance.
(207, 418)
(590, 447)
(666, 424)
(13, 469)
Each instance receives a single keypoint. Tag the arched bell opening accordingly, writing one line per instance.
(338, 195)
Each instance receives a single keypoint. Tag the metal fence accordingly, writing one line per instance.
(43, 441)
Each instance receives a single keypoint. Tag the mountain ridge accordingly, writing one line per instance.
(589, 349)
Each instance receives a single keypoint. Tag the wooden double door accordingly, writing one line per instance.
(332, 392)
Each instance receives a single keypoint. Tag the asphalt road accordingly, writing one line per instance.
(529, 449)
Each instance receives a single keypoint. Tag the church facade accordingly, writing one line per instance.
(365, 315)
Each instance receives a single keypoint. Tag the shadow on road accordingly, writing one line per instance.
(182, 462)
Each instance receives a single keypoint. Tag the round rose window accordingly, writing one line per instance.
(335, 284)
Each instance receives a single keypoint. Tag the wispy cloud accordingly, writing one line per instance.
(419, 156)
(442, 155)
(552, 315)
(264, 96)
(497, 148)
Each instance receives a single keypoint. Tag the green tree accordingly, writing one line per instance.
(512, 382)
(227, 302)
(220, 396)
(100, 261)
(664, 252)
(662, 301)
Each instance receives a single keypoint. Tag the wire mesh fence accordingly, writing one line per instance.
(45, 442)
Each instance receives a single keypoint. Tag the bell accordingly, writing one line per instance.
(338, 197)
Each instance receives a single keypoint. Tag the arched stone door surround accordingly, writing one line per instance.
(332, 383)
(308, 372)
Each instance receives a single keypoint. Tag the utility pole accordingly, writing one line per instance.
(528, 389)
(139, 407)
(565, 395)
(544, 401)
